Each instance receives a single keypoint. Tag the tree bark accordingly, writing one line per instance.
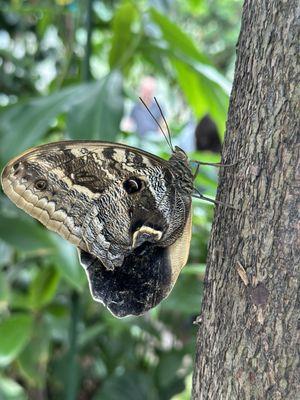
(246, 343)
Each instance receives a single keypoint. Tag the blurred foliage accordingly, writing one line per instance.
(67, 72)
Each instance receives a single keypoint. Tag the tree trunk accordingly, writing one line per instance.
(246, 344)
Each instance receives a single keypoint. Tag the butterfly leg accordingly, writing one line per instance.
(201, 196)
(218, 165)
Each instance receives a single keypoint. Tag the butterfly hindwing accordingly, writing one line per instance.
(145, 278)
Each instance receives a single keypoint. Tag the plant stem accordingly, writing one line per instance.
(72, 373)
(86, 73)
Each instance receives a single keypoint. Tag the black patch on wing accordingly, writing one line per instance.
(141, 283)
(109, 153)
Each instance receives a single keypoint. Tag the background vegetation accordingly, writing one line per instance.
(71, 69)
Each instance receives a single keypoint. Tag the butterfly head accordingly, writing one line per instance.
(181, 171)
(180, 155)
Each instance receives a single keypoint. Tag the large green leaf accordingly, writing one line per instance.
(206, 90)
(210, 73)
(192, 86)
(124, 41)
(94, 108)
(176, 38)
(99, 115)
(66, 262)
(22, 125)
(15, 332)
(154, 55)
(43, 287)
(24, 234)
(203, 95)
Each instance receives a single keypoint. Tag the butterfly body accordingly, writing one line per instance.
(127, 211)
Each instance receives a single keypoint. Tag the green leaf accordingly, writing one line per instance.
(67, 263)
(11, 390)
(97, 108)
(168, 378)
(99, 115)
(124, 41)
(58, 319)
(205, 156)
(192, 269)
(153, 55)
(6, 253)
(176, 38)
(90, 334)
(34, 358)
(169, 364)
(211, 74)
(192, 86)
(43, 287)
(129, 386)
(203, 95)
(15, 332)
(186, 394)
(4, 291)
(186, 296)
(22, 125)
(24, 233)
(206, 90)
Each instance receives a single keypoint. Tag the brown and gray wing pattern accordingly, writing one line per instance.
(76, 175)
(110, 200)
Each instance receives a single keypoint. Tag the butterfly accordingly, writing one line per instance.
(127, 211)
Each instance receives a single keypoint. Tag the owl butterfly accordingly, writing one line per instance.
(127, 211)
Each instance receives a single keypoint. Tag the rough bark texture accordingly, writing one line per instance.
(246, 345)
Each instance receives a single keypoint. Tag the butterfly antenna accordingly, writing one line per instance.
(167, 126)
(158, 124)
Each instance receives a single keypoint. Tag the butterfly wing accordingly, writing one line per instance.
(110, 200)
